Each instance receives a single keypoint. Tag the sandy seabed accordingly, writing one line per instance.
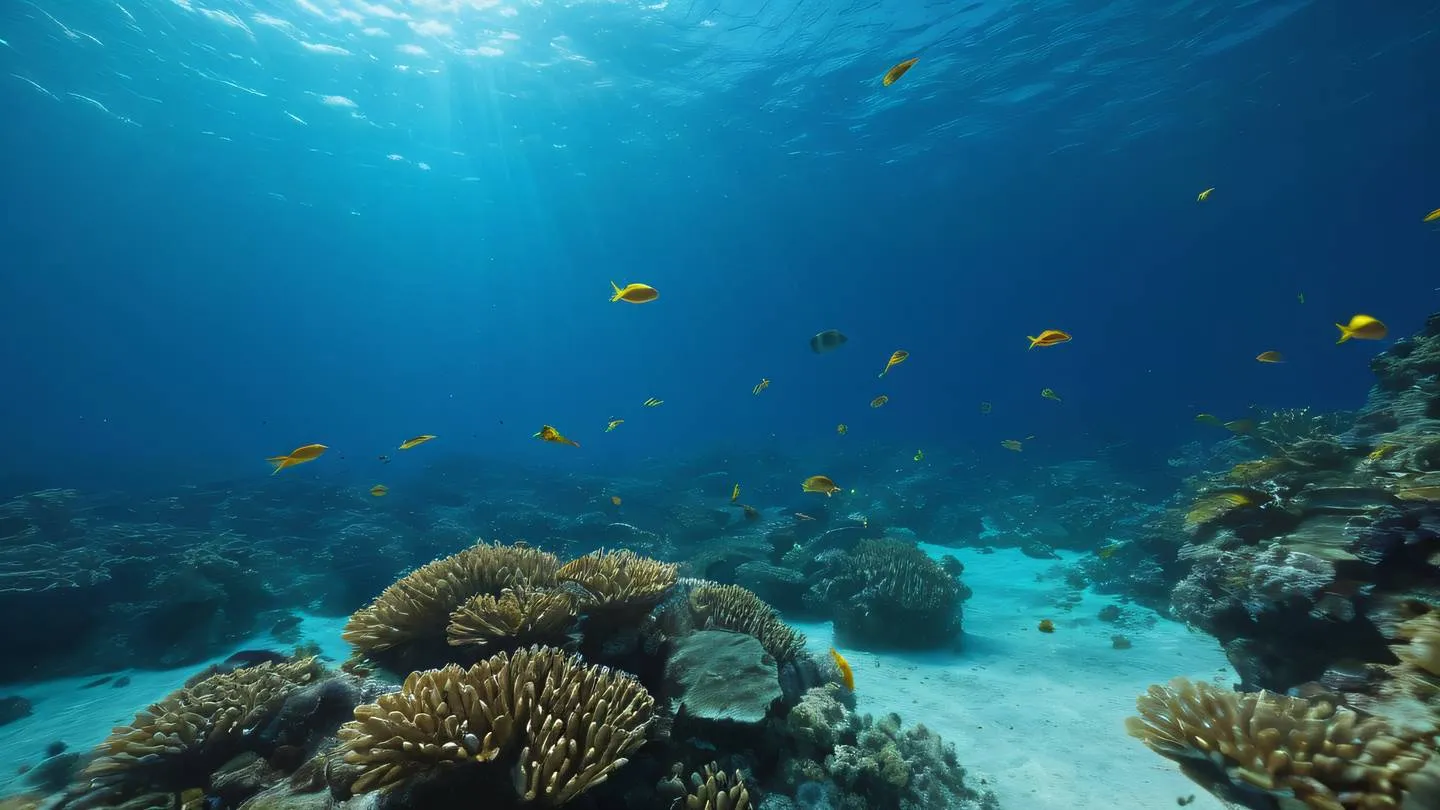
(1038, 716)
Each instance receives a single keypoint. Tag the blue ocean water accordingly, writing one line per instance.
(233, 228)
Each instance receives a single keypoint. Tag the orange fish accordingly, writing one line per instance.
(299, 455)
(896, 359)
(847, 676)
(820, 483)
(1271, 356)
(1049, 337)
(550, 434)
(893, 74)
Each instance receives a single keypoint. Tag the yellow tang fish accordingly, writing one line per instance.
(842, 428)
(550, 434)
(847, 675)
(418, 440)
(614, 423)
(1204, 195)
(896, 359)
(1270, 356)
(1050, 337)
(1432, 216)
(878, 401)
(379, 490)
(735, 494)
(1361, 327)
(1049, 393)
(634, 293)
(919, 455)
(820, 483)
(893, 74)
(761, 386)
(652, 402)
(299, 455)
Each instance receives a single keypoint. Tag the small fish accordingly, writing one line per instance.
(1270, 356)
(878, 401)
(847, 675)
(1241, 426)
(614, 423)
(550, 434)
(299, 455)
(802, 516)
(893, 74)
(761, 386)
(1106, 552)
(1209, 419)
(820, 483)
(1015, 444)
(1361, 327)
(379, 490)
(416, 442)
(1432, 216)
(1050, 337)
(384, 459)
(1419, 494)
(634, 293)
(751, 513)
(1046, 626)
(653, 402)
(1382, 451)
(827, 341)
(735, 494)
(1300, 297)
(986, 407)
(842, 428)
(1049, 393)
(896, 359)
(1204, 195)
(615, 499)
(919, 455)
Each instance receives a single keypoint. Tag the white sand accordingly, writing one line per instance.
(1039, 716)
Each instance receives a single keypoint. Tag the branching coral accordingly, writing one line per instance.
(1322, 757)
(565, 725)
(418, 606)
(620, 579)
(712, 789)
(889, 592)
(519, 616)
(731, 607)
(195, 728)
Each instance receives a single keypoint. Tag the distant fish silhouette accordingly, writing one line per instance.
(827, 341)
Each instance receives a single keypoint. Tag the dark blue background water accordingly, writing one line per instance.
(165, 318)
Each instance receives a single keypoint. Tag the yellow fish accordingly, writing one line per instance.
(847, 675)
(893, 74)
(820, 483)
(1382, 451)
(379, 490)
(896, 359)
(1361, 327)
(614, 423)
(1270, 356)
(1106, 552)
(735, 494)
(842, 428)
(1015, 444)
(1204, 195)
(418, 440)
(299, 455)
(878, 401)
(652, 402)
(1432, 216)
(919, 455)
(986, 407)
(634, 293)
(1419, 494)
(550, 434)
(761, 386)
(1049, 393)
(1050, 337)
(615, 499)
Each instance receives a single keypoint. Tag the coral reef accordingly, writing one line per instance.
(888, 593)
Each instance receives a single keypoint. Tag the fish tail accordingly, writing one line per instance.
(1344, 334)
(279, 462)
(616, 296)
(1033, 340)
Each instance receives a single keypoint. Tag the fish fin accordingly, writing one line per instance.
(279, 462)
(616, 296)
(1033, 340)
(1344, 334)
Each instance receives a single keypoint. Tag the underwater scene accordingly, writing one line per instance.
(719, 405)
